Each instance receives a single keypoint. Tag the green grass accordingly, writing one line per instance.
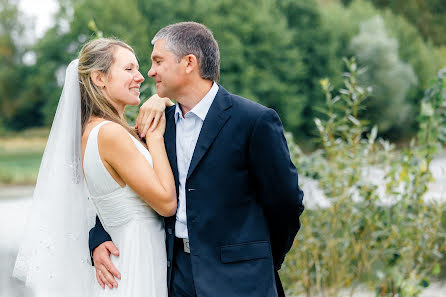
(19, 167)
(20, 157)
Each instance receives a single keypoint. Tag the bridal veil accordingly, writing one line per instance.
(54, 257)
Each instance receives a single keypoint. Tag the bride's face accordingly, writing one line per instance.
(121, 85)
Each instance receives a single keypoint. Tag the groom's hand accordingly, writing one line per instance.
(105, 270)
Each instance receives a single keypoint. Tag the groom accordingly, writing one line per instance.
(238, 196)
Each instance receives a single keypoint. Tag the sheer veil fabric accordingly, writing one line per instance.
(54, 258)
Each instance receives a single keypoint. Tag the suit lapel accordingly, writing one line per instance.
(217, 116)
(170, 142)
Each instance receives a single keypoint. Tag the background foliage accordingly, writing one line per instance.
(427, 16)
(376, 229)
(273, 51)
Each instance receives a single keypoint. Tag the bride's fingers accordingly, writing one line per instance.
(146, 123)
(140, 117)
(155, 121)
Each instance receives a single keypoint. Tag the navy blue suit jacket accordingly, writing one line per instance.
(243, 200)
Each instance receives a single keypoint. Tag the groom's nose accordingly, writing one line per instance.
(151, 72)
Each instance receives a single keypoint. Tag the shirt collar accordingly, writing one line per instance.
(202, 108)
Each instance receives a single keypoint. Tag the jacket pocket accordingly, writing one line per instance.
(245, 251)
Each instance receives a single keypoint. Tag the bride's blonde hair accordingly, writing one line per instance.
(98, 55)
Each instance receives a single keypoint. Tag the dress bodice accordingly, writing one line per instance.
(135, 228)
(115, 205)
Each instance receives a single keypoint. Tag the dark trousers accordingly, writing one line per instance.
(182, 283)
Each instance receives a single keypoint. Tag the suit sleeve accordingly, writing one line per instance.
(277, 183)
(97, 236)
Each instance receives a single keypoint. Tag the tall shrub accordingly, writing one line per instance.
(375, 230)
(390, 77)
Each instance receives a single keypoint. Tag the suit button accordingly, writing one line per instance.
(168, 264)
(169, 231)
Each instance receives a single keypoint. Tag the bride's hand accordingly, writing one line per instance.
(150, 114)
(158, 133)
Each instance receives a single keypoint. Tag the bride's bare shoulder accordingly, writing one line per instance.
(90, 125)
(112, 135)
(112, 130)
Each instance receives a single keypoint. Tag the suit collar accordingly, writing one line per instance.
(218, 115)
(170, 142)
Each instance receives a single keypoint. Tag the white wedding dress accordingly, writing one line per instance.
(135, 228)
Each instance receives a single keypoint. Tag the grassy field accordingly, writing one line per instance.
(20, 156)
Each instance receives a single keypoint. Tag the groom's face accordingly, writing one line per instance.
(168, 71)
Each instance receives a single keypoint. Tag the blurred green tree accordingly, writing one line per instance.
(260, 61)
(427, 16)
(273, 51)
(319, 55)
(343, 23)
(390, 78)
(12, 68)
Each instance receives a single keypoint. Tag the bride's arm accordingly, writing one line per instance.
(155, 185)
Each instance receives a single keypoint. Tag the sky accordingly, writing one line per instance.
(42, 11)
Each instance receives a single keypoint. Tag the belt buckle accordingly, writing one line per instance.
(186, 245)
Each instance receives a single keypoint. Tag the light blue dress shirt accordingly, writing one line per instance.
(187, 131)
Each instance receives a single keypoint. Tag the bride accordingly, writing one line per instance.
(94, 158)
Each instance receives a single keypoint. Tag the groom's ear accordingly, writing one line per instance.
(98, 78)
(191, 63)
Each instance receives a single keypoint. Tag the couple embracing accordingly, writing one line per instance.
(201, 199)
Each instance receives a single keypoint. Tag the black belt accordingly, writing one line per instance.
(184, 243)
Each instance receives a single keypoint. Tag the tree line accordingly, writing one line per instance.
(274, 52)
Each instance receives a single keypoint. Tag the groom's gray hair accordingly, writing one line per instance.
(193, 38)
